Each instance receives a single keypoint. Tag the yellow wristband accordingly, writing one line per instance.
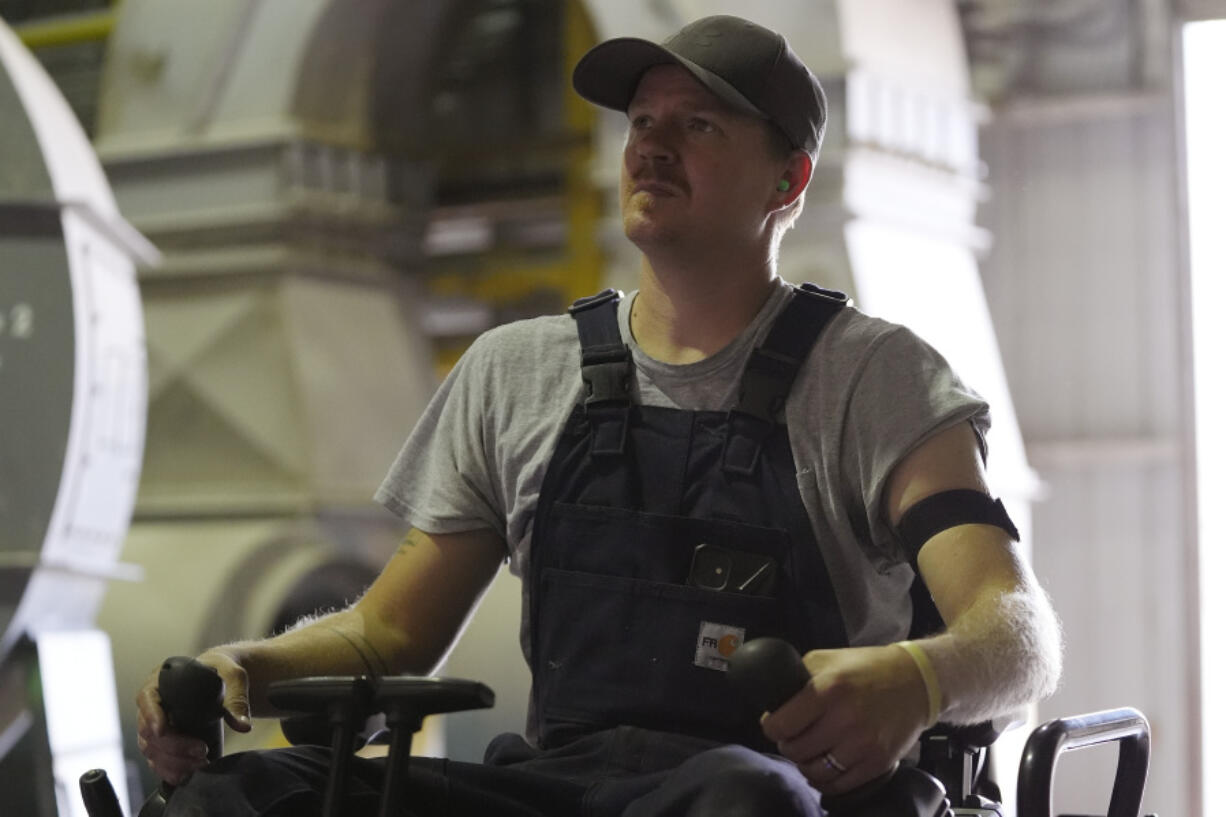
(931, 685)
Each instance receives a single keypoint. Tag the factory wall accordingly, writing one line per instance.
(1084, 280)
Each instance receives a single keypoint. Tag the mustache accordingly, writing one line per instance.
(648, 176)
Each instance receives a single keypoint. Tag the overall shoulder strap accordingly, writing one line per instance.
(771, 370)
(606, 368)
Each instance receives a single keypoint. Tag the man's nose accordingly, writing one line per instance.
(655, 144)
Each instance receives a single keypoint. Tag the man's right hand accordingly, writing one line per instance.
(174, 756)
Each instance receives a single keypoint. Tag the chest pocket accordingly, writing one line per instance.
(633, 604)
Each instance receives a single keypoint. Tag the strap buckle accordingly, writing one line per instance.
(606, 382)
(765, 383)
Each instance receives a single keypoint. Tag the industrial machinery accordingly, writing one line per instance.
(72, 399)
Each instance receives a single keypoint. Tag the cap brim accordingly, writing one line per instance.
(609, 74)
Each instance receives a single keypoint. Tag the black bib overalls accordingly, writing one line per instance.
(663, 538)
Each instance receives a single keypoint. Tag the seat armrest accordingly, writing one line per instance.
(428, 696)
(432, 696)
(326, 702)
(317, 694)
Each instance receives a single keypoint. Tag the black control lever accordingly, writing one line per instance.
(192, 694)
(768, 672)
(99, 795)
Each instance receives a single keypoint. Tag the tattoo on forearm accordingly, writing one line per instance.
(410, 541)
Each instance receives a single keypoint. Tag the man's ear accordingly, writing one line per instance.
(795, 178)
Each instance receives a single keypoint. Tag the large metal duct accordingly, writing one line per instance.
(72, 403)
(286, 359)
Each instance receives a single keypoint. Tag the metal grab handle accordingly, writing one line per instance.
(1126, 726)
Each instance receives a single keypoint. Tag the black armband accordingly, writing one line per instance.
(931, 515)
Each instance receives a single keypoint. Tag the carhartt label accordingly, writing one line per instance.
(716, 644)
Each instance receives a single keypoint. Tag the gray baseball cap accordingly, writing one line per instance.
(750, 67)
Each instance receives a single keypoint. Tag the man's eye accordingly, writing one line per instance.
(640, 121)
(702, 125)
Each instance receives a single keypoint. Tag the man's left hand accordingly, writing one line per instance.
(863, 708)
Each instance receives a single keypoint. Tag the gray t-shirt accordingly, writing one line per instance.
(869, 393)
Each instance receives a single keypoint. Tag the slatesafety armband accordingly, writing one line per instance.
(931, 515)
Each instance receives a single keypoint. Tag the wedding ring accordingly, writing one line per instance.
(832, 763)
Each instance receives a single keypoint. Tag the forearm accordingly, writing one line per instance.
(345, 642)
(1002, 653)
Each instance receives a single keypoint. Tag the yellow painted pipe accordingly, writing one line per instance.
(575, 270)
(66, 30)
(583, 200)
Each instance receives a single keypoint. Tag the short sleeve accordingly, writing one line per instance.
(442, 480)
(904, 393)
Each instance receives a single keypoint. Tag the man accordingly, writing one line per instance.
(717, 457)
